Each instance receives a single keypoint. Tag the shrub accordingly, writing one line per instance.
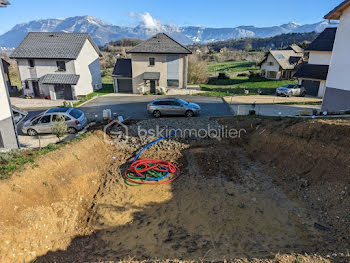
(59, 127)
(198, 72)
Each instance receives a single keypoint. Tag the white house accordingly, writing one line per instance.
(337, 96)
(313, 75)
(58, 65)
(8, 135)
(280, 64)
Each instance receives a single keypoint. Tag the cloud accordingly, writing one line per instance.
(151, 24)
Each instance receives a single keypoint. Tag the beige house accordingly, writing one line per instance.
(280, 64)
(58, 65)
(157, 64)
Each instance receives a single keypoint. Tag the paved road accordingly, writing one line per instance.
(134, 107)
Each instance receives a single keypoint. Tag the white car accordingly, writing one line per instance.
(290, 90)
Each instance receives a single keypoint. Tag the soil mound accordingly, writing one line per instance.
(45, 205)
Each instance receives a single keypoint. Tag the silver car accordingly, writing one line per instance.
(172, 106)
(42, 123)
(290, 90)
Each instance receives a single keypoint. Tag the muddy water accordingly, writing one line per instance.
(228, 212)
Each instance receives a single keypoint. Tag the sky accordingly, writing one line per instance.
(223, 13)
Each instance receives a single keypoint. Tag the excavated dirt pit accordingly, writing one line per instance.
(250, 197)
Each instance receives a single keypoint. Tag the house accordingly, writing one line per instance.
(313, 75)
(58, 65)
(280, 64)
(156, 64)
(8, 135)
(337, 96)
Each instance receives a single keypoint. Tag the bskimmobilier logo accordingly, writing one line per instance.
(122, 130)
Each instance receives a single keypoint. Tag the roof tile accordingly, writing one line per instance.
(52, 45)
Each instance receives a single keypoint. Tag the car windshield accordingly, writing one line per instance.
(36, 116)
(75, 113)
(289, 86)
(182, 101)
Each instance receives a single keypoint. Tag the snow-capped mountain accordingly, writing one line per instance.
(205, 34)
(103, 32)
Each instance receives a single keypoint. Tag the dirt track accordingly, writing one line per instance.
(236, 198)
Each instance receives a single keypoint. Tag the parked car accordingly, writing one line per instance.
(42, 123)
(172, 106)
(290, 90)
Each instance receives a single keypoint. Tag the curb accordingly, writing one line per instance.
(87, 101)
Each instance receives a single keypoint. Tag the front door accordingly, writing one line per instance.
(36, 89)
(153, 86)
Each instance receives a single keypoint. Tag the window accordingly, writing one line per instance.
(165, 103)
(176, 103)
(271, 63)
(61, 65)
(45, 119)
(173, 83)
(76, 113)
(26, 85)
(66, 118)
(152, 61)
(31, 63)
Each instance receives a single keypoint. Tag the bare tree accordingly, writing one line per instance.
(198, 72)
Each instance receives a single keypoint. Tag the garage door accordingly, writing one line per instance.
(63, 92)
(124, 85)
(311, 87)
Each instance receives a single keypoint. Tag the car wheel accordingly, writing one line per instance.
(303, 94)
(189, 113)
(72, 130)
(289, 94)
(156, 114)
(32, 132)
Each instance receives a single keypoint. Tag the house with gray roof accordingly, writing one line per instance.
(157, 64)
(281, 64)
(58, 65)
(313, 74)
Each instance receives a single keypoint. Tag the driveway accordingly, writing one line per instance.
(134, 107)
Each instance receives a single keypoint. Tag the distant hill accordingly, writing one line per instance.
(103, 32)
(275, 42)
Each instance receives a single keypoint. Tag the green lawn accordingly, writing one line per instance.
(238, 85)
(231, 67)
(16, 159)
(107, 76)
(107, 88)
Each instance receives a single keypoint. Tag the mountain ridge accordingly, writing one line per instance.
(103, 32)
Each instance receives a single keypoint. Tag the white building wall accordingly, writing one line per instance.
(339, 71)
(275, 68)
(42, 67)
(87, 65)
(320, 57)
(5, 110)
(7, 127)
(322, 89)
